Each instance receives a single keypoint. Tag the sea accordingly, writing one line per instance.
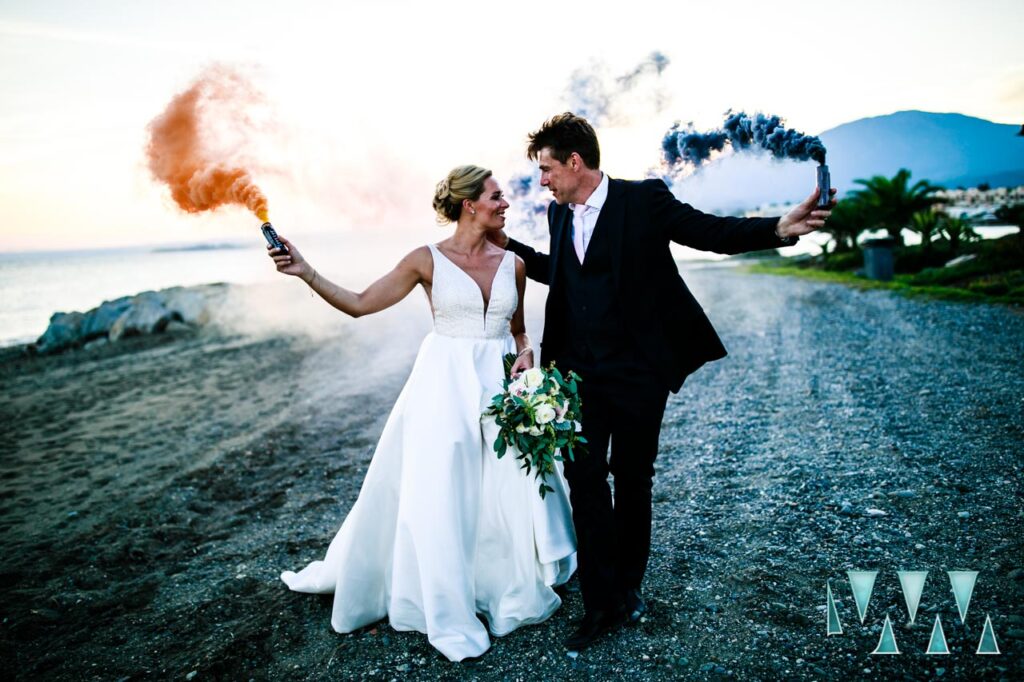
(35, 285)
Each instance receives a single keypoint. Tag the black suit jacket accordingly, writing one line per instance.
(640, 219)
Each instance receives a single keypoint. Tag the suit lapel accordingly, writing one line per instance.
(560, 229)
(611, 223)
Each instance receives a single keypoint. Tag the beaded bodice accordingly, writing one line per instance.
(458, 301)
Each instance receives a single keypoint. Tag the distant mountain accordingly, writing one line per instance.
(947, 149)
(952, 150)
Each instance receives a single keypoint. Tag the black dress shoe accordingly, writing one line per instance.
(636, 607)
(593, 625)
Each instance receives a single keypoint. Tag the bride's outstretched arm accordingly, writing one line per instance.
(524, 352)
(384, 293)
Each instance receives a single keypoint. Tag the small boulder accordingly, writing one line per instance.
(62, 332)
(189, 304)
(146, 316)
(98, 321)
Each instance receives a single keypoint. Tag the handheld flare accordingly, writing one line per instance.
(271, 236)
(825, 185)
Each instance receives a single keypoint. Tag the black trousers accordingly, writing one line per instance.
(623, 409)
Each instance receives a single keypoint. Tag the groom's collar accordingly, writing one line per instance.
(598, 196)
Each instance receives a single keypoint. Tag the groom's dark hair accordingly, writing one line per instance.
(565, 134)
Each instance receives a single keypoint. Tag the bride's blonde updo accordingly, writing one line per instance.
(463, 182)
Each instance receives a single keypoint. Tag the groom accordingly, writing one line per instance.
(620, 316)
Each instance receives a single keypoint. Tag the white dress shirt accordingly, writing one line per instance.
(583, 221)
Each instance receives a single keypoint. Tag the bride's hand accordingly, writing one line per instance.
(291, 263)
(522, 363)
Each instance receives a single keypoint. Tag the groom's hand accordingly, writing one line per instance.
(498, 238)
(806, 217)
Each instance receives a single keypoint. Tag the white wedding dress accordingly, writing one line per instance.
(443, 530)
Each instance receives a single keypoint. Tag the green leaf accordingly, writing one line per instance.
(508, 361)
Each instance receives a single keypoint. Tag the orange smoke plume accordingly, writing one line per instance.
(179, 157)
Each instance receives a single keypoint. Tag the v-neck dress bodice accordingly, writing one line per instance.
(458, 301)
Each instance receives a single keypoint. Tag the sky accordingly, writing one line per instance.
(366, 105)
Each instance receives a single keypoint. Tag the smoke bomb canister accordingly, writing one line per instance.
(825, 185)
(271, 236)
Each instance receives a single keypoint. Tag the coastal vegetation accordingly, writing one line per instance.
(950, 260)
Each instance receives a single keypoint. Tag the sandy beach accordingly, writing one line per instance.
(151, 492)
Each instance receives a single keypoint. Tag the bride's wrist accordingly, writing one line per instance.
(524, 351)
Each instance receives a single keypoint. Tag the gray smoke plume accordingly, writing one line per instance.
(605, 100)
(602, 99)
(686, 149)
(528, 203)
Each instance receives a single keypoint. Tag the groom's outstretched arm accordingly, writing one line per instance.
(686, 225)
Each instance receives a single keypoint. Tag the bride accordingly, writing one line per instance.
(443, 532)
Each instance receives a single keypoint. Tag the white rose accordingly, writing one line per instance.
(521, 429)
(545, 414)
(533, 378)
(577, 426)
(535, 431)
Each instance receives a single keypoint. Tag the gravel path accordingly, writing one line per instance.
(846, 430)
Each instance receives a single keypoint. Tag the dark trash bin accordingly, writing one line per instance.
(878, 258)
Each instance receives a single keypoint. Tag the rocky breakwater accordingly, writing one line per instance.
(149, 312)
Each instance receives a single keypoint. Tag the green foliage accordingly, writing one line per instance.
(508, 361)
(911, 259)
(957, 230)
(925, 224)
(890, 203)
(885, 203)
(995, 274)
(845, 260)
(1012, 214)
(849, 218)
(538, 419)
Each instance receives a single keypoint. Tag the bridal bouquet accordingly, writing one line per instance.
(538, 415)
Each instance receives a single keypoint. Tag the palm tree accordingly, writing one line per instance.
(956, 229)
(1013, 214)
(892, 201)
(849, 218)
(926, 224)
